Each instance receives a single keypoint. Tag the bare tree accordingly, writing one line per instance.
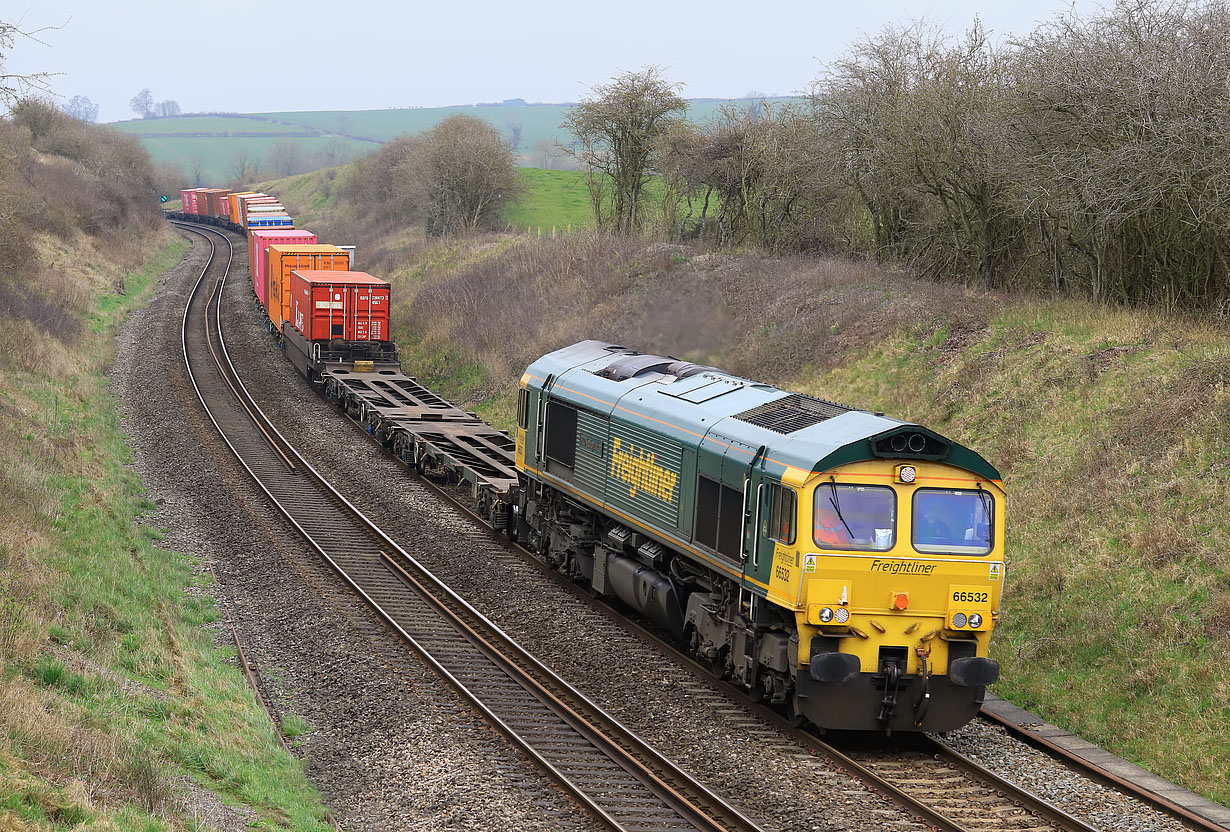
(334, 153)
(514, 134)
(547, 154)
(617, 129)
(749, 176)
(286, 157)
(462, 172)
(82, 108)
(196, 167)
(13, 86)
(143, 103)
(242, 165)
(1125, 137)
(166, 109)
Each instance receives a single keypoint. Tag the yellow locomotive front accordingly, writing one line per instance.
(897, 588)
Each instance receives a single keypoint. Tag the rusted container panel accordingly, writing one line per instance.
(216, 197)
(353, 306)
(258, 245)
(282, 259)
(204, 206)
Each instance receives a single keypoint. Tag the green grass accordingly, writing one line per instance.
(136, 693)
(554, 199)
(559, 200)
(294, 725)
(1116, 604)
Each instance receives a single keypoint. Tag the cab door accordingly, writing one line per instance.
(757, 545)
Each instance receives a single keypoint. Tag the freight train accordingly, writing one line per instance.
(841, 564)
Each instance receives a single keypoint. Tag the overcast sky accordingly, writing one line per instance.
(263, 55)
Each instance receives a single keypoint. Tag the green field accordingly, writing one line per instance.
(177, 140)
(554, 199)
(219, 125)
(218, 155)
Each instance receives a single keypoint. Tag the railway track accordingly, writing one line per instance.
(619, 779)
(938, 786)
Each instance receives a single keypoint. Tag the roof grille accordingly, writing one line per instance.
(791, 413)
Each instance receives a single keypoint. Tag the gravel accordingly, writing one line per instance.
(995, 749)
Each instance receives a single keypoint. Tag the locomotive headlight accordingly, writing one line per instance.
(826, 615)
(843, 615)
(975, 620)
(906, 473)
(958, 620)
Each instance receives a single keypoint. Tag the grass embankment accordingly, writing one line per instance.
(117, 710)
(1112, 429)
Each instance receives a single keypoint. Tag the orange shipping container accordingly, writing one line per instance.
(282, 259)
(259, 241)
(234, 199)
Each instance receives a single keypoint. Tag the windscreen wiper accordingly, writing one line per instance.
(837, 508)
(986, 503)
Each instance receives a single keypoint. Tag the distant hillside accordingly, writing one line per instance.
(329, 137)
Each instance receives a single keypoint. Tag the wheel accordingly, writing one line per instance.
(794, 711)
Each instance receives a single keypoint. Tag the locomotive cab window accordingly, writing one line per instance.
(523, 409)
(780, 509)
(855, 517)
(953, 521)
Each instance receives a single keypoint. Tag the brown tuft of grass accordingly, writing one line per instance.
(1216, 615)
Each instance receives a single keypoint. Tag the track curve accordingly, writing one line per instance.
(622, 781)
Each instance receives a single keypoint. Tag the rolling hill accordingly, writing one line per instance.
(213, 142)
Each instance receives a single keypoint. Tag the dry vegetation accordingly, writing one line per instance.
(115, 705)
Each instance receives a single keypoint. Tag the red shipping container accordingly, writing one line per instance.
(188, 199)
(259, 241)
(350, 305)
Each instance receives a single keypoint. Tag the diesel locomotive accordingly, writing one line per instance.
(842, 564)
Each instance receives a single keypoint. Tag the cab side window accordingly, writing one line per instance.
(781, 509)
(523, 409)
